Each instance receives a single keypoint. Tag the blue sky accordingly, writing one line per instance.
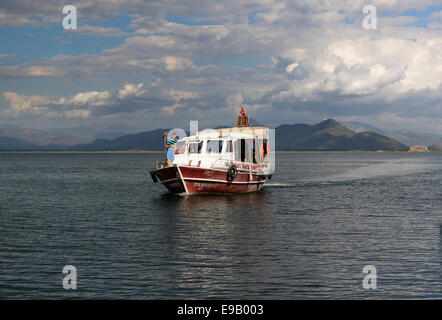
(134, 65)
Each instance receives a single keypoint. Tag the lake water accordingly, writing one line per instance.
(308, 234)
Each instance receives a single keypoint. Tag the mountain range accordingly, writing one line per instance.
(39, 137)
(328, 135)
(407, 137)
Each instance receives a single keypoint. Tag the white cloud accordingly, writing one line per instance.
(131, 90)
(396, 21)
(92, 98)
(19, 104)
(129, 99)
(177, 63)
(385, 67)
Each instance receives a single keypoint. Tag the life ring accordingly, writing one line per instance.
(232, 172)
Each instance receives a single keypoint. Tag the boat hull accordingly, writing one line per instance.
(182, 179)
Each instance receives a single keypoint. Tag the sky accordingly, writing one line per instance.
(135, 65)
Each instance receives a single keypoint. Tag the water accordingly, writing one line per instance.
(308, 234)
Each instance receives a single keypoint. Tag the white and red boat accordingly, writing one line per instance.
(228, 160)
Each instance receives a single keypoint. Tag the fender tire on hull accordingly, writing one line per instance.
(232, 172)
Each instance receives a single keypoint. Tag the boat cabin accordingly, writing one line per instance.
(245, 147)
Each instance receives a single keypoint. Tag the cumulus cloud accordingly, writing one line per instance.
(365, 72)
(19, 104)
(131, 98)
(91, 98)
(131, 90)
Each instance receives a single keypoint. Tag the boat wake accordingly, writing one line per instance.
(384, 169)
(372, 171)
(282, 185)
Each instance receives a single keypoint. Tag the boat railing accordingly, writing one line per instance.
(249, 167)
(255, 168)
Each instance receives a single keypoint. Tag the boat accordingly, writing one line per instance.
(239, 159)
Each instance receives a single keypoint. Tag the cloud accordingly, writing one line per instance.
(11, 19)
(397, 21)
(131, 98)
(383, 68)
(91, 98)
(77, 113)
(231, 11)
(88, 30)
(19, 104)
(93, 65)
(435, 20)
(43, 12)
(28, 70)
(131, 90)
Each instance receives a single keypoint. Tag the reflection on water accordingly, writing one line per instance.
(223, 239)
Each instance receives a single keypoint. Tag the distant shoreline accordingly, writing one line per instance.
(67, 152)
(158, 152)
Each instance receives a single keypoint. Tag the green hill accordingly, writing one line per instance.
(330, 135)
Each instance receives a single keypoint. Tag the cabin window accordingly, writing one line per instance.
(253, 144)
(180, 147)
(195, 147)
(237, 149)
(214, 146)
(244, 150)
(249, 150)
(260, 149)
(229, 146)
(265, 146)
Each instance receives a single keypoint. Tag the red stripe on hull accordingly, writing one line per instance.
(220, 187)
(193, 173)
(200, 180)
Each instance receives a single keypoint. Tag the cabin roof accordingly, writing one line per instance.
(234, 132)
